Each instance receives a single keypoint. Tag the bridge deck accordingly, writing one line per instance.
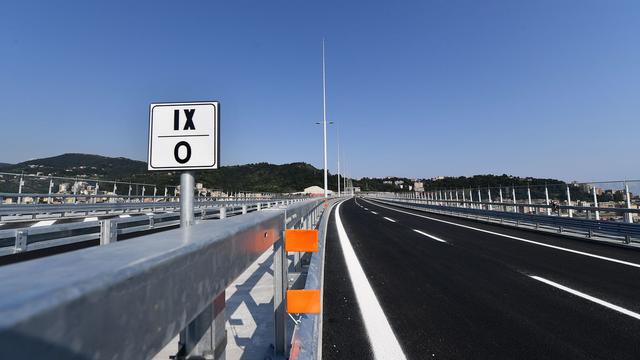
(476, 290)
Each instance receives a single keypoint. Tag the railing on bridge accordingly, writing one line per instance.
(129, 299)
(39, 188)
(618, 224)
(23, 239)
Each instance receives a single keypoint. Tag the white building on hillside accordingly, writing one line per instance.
(316, 191)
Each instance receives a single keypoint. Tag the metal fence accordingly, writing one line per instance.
(604, 200)
(540, 217)
(39, 188)
(129, 299)
(106, 231)
(306, 342)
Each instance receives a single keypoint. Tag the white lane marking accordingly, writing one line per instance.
(390, 219)
(43, 223)
(366, 209)
(611, 306)
(383, 341)
(429, 236)
(622, 262)
(373, 212)
(90, 219)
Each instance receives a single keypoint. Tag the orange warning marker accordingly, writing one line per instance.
(301, 240)
(303, 301)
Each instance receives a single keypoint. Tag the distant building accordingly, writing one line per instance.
(63, 188)
(585, 187)
(316, 191)
(438, 178)
(418, 186)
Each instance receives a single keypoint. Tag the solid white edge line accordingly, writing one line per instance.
(622, 262)
(607, 304)
(381, 337)
(429, 235)
(390, 219)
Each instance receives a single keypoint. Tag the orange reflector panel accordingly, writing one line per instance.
(303, 301)
(301, 240)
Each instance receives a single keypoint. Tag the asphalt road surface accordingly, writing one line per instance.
(409, 284)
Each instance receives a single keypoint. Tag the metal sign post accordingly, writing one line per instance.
(185, 136)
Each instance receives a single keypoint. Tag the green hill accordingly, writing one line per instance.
(259, 177)
(262, 177)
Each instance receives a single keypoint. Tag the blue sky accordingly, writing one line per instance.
(424, 88)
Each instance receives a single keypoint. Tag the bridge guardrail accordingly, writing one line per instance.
(306, 342)
(40, 211)
(34, 238)
(129, 299)
(622, 232)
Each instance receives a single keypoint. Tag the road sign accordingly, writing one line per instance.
(184, 136)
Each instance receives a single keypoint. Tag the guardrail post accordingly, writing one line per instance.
(490, 199)
(50, 190)
(529, 199)
(244, 209)
(108, 231)
(569, 202)
(515, 202)
(595, 203)
(546, 198)
(504, 208)
(628, 216)
(279, 293)
(21, 241)
(258, 205)
(223, 212)
(20, 185)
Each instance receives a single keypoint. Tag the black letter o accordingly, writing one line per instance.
(177, 156)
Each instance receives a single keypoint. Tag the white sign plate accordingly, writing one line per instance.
(184, 136)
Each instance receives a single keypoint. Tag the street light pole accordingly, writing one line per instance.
(324, 121)
(338, 138)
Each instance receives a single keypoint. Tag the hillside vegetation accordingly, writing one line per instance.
(258, 177)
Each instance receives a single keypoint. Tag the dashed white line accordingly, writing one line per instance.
(389, 219)
(383, 341)
(373, 212)
(607, 304)
(622, 262)
(429, 235)
(366, 209)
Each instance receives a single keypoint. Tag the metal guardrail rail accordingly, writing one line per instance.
(129, 299)
(620, 232)
(45, 211)
(306, 342)
(34, 238)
